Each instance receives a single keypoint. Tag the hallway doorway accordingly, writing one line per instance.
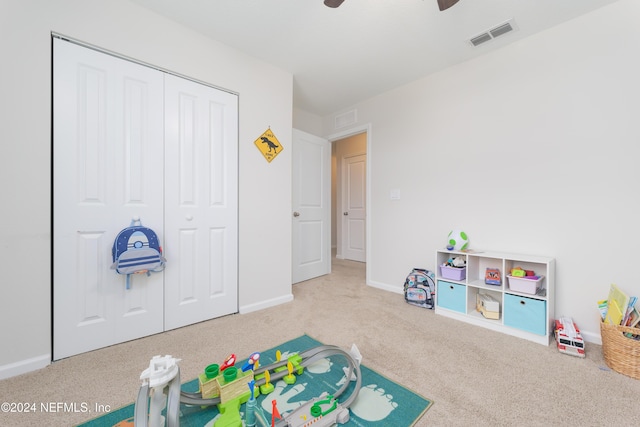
(349, 197)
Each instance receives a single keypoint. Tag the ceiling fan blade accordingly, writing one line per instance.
(333, 3)
(443, 4)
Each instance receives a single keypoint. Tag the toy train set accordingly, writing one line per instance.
(228, 387)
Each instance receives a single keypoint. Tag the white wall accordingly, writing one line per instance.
(265, 98)
(531, 149)
(307, 122)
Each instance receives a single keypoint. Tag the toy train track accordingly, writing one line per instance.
(324, 410)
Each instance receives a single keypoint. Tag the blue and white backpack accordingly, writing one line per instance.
(420, 288)
(137, 250)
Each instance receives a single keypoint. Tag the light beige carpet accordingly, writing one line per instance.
(475, 376)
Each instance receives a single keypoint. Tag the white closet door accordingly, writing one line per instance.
(108, 166)
(201, 199)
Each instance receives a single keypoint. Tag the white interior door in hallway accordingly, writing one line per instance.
(354, 215)
(311, 201)
(112, 125)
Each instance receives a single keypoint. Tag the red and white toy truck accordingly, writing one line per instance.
(568, 337)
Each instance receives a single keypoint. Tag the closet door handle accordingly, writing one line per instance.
(296, 214)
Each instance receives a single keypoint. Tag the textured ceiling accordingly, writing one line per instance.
(342, 56)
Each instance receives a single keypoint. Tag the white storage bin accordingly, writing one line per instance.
(524, 285)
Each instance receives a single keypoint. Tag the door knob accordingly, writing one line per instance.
(296, 214)
(345, 213)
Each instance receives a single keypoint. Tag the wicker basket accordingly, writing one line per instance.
(621, 354)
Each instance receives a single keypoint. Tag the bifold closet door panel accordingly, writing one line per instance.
(201, 202)
(108, 162)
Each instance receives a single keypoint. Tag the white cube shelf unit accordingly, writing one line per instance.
(525, 315)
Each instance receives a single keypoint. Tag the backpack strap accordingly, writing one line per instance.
(158, 268)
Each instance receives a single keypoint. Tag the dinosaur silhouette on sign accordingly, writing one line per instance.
(272, 145)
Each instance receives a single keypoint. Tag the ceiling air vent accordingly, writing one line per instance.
(484, 37)
(500, 30)
(494, 32)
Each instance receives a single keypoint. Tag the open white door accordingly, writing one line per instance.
(107, 142)
(201, 202)
(354, 216)
(311, 197)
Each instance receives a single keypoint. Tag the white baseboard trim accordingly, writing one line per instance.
(385, 287)
(266, 304)
(24, 366)
(591, 337)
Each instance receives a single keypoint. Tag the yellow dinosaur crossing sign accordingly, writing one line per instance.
(268, 145)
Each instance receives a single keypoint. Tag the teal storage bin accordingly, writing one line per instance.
(451, 296)
(524, 313)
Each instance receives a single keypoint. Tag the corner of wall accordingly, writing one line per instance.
(385, 287)
(245, 309)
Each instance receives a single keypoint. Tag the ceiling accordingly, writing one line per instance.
(339, 57)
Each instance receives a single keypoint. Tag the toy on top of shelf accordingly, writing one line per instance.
(458, 240)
